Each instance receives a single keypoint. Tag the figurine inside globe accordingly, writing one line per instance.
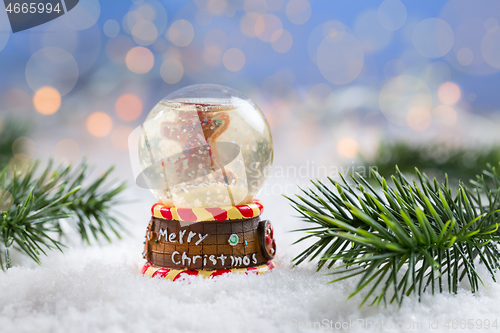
(205, 145)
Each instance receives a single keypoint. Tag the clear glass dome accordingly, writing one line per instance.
(205, 145)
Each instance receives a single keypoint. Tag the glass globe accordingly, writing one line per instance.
(205, 145)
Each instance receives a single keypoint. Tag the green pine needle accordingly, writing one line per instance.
(35, 202)
(408, 238)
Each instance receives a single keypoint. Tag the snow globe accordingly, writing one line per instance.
(204, 152)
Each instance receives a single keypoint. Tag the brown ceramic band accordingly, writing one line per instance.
(209, 244)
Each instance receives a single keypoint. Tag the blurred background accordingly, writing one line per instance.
(344, 84)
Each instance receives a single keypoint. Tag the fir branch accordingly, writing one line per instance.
(408, 238)
(34, 203)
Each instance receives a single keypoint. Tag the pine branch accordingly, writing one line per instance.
(35, 203)
(408, 238)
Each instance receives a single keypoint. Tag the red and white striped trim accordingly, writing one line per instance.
(239, 212)
(178, 274)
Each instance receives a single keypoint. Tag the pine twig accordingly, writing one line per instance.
(408, 238)
(34, 204)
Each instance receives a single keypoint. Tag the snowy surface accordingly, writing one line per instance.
(100, 289)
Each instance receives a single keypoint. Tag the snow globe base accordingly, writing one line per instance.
(208, 241)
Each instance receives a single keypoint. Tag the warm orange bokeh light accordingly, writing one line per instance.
(99, 124)
(139, 60)
(47, 100)
(128, 107)
(347, 147)
(449, 93)
(418, 118)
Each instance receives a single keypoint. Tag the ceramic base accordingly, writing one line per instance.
(178, 274)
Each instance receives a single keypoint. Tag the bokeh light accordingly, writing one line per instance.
(333, 30)
(111, 28)
(266, 26)
(473, 23)
(6, 201)
(99, 124)
(490, 48)
(83, 16)
(298, 11)
(5, 28)
(52, 66)
(216, 7)
(61, 37)
(181, 33)
(47, 100)
(139, 60)
(418, 118)
(234, 59)
(281, 41)
(449, 93)
(392, 14)
(144, 32)
(403, 94)
(433, 38)
(347, 147)
(171, 71)
(66, 152)
(445, 115)
(23, 148)
(247, 24)
(128, 107)
(340, 62)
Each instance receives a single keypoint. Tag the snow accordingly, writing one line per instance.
(100, 289)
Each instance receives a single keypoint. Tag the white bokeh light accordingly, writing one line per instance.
(433, 38)
(83, 16)
(465, 56)
(340, 62)
(5, 28)
(52, 66)
(490, 48)
(144, 32)
(392, 14)
(111, 28)
(298, 11)
(171, 71)
(334, 30)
